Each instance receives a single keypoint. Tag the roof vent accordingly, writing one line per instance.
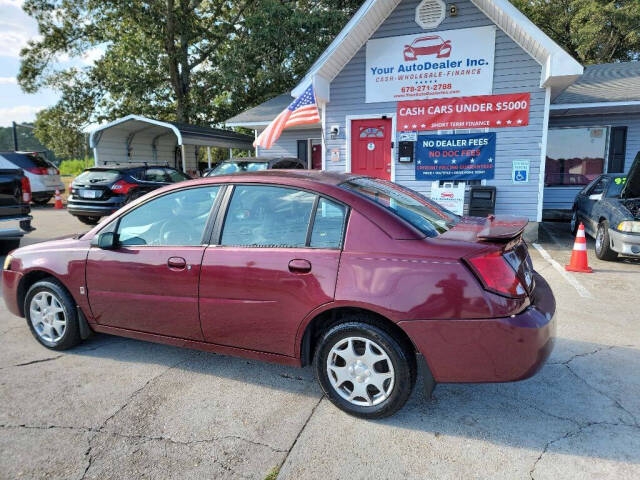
(430, 13)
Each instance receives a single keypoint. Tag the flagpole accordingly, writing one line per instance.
(323, 136)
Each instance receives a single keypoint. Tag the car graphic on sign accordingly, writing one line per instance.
(430, 45)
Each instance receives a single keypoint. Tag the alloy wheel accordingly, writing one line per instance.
(599, 239)
(360, 371)
(48, 317)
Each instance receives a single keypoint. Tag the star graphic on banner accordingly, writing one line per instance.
(519, 121)
(406, 126)
(473, 160)
(435, 161)
(509, 122)
(414, 126)
(490, 160)
(499, 122)
(419, 162)
(423, 125)
(453, 161)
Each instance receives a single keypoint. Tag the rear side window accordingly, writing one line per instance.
(176, 176)
(27, 160)
(155, 175)
(98, 176)
(261, 216)
(328, 224)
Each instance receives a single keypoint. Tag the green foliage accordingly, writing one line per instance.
(593, 31)
(273, 474)
(74, 167)
(195, 61)
(26, 139)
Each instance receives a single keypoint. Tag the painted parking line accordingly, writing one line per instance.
(582, 291)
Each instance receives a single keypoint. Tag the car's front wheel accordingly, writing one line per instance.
(603, 243)
(574, 222)
(51, 315)
(364, 370)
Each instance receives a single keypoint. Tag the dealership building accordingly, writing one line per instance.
(443, 97)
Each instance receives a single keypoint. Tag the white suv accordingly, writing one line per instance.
(43, 175)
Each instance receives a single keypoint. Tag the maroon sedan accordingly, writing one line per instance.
(351, 274)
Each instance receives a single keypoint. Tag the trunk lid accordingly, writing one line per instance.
(631, 187)
(95, 183)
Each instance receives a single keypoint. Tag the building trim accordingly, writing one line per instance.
(569, 106)
(543, 153)
(367, 116)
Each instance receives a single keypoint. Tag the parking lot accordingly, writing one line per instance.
(120, 408)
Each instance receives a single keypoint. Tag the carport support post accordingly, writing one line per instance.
(208, 157)
(184, 158)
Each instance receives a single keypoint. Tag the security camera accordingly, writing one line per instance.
(453, 10)
(334, 131)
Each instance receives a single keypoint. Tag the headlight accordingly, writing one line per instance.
(631, 227)
(7, 262)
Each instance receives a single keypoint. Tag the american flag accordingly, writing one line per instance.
(303, 110)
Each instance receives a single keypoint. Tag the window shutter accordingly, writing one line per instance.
(617, 149)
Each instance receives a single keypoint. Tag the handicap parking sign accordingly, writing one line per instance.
(520, 171)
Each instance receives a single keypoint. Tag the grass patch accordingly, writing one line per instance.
(273, 474)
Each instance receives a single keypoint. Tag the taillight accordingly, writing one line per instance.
(496, 274)
(38, 170)
(26, 190)
(122, 187)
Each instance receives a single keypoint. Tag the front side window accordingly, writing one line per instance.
(265, 216)
(575, 156)
(176, 219)
(424, 214)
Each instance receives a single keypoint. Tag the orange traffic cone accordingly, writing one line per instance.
(58, 204)
(579, 262)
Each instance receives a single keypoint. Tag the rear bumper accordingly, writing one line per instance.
(15, 227)
(10, 282)
(47, 193)
(93, 209)
(625, 243)
(489, 350)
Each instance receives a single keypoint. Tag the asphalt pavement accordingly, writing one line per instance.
(121, 408)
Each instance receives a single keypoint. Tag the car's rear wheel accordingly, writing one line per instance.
(51, 315)
(603, 243)
(364, 370)
(88, 220)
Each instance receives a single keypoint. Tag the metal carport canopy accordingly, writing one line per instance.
(135, 139)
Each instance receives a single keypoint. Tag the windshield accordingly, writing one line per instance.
(424, 214)
(615, 188)
(233, 167)
(97, 176)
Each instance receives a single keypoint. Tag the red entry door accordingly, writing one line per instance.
(371, 147)
(316, 157)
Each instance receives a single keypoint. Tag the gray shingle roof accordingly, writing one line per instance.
(263, 113)
(608, 82)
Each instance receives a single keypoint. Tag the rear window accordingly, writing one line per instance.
(27, 160)
(424, 214)
(233, 167)
(98, 176)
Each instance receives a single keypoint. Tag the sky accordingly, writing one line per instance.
(16, 28)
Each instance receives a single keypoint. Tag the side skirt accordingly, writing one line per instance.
(195, 345)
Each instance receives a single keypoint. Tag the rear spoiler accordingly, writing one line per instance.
(505, 228)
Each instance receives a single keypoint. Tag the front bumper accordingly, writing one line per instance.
(625, 243)
(10, 282)
(489, 350)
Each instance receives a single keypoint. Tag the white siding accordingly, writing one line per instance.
(561, 198)
(514, 71)
(287, 144)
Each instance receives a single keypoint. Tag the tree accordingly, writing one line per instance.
(592, 31)
(197, 61)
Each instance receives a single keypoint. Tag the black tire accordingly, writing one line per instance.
(89, 220)
(603, 243)
(573, 226)
(7, 245)
(42, 201)
(71, 334)
(400, 355)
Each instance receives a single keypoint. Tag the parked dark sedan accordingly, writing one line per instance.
(255, 164)
(351, 274)
(98, 192)
(609, 207)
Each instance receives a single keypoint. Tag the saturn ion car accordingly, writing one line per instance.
(363, 279)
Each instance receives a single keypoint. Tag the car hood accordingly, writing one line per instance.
(500, 228)
(631, 188)
(61, 243)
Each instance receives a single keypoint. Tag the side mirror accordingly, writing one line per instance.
(596, 197)
(105, 241)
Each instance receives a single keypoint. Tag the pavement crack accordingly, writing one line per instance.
(584, 354)
(313, 410)
(568, 434)
(42, 360)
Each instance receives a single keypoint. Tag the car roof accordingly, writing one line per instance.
(259, 159)
(286, 176)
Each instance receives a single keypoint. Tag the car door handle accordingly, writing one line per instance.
(298, 265)
(177, 263)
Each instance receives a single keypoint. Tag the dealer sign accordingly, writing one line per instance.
(451, 63)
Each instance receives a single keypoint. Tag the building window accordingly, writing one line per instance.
(575, 156)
